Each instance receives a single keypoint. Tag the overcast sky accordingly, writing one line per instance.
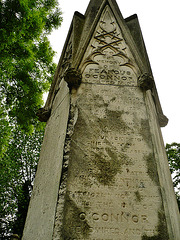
(159, 20)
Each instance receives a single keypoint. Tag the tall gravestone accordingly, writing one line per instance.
(103, 172)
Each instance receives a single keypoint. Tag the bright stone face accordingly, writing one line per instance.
(112, 190)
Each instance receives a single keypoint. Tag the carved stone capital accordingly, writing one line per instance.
(73, 77)
(145, 81)
(163, 120)
(43, 114)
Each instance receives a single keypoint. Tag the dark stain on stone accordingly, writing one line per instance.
(108, 165)
(116, 117)
(113, 99)
(138, 196)
(145, 132)
(152, 168)
(127, 145)
(99, 101)
(81, 124)
(111, 116)
(114, 120)
(161, 228)
(73, 220)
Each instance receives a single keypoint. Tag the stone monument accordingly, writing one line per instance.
(103, 172)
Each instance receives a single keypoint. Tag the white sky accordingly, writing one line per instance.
(159, 20)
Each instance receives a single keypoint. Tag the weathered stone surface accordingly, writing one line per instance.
(103, 172)
(41, 213)
(169, 200)
(112, 189)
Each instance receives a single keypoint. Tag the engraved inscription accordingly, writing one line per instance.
(109, 76)
(111, 193)
(109, 60)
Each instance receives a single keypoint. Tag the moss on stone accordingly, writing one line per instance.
(118, 122)
(138, 196)
(152, 168)
(114, 119)
(109, 165)
(161, 228)
(145, 132)
(72, 221)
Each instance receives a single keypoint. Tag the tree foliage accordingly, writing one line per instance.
(173, 154)
(17, 172)
(26, 63)
(26, 71)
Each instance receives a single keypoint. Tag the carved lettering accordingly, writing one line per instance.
(123, 217)
(110, 172)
